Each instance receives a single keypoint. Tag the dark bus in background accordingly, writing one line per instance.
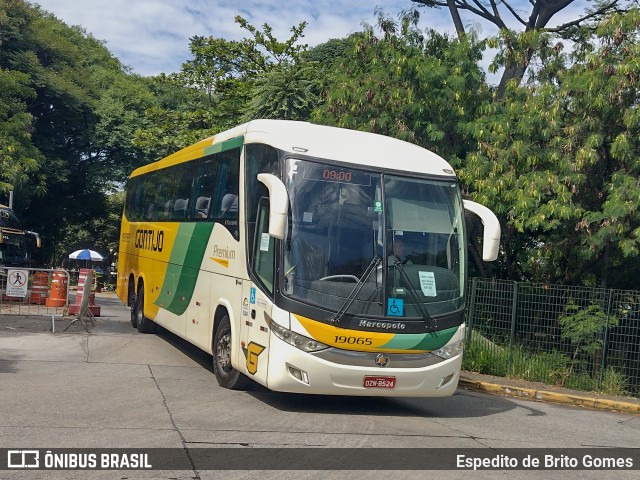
(16, 244)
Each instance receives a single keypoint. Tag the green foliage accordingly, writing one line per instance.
(557, 159)
(551, 368)
(328, 53)
(613, 382)
(487, 357)
(229, 81)
(18, 155)
(19, 158)
(99, 231)
(584, 328)
(547, 367)
(406, 84)
(67, 121)
(287, 92)
(482, 355)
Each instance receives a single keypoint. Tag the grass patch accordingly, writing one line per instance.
(552, 368)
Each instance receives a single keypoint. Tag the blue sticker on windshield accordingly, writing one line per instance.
(395, 307)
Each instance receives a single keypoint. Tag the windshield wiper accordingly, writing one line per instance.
(375, 261)
(428, 319)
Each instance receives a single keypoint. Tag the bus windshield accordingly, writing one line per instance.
(15, 245)
(14, 250)
(343, 219)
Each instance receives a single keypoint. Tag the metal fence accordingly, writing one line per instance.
(34, 292)
(576, 337)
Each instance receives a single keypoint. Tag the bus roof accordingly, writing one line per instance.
(331, 143)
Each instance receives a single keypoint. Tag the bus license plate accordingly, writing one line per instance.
(379, 382)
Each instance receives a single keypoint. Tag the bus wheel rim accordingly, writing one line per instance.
(224, 352)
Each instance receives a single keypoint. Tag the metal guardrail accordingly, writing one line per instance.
(578, 337)
(34, 291)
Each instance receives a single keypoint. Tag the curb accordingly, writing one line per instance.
(551, 397)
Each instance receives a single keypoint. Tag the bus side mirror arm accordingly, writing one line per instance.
(36, 236)
(491, 235)
(278, 204)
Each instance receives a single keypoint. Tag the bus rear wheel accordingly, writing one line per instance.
(143, 324)
(132, 303)
(226, 375)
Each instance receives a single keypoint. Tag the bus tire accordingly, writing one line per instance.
(132, 304)
(226, 375)
(143, 324)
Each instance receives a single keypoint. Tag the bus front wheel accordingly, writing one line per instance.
(226, 375)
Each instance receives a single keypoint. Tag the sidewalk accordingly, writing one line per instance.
(547, 393)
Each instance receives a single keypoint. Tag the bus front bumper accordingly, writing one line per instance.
(295, 371)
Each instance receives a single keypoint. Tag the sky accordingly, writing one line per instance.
(152, 36)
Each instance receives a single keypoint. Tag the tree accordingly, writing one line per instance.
(67, 119)
(505, 14)
(289, 91)
(419, 87)
(19, 158)
(558, 162)
(223, 82)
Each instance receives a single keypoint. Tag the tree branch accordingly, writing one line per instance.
(608, 8)
(541, 13)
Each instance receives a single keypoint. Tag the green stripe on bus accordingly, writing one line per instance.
(174, 268)
(226, 145)
(186, 271)
(421, 341)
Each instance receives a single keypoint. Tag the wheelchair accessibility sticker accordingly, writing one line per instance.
(395, 307)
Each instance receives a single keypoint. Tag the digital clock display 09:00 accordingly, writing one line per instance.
(338, 175)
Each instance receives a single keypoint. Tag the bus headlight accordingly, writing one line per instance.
(305, 344)
(450, 351)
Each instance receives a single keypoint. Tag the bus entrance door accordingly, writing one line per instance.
(254, 332)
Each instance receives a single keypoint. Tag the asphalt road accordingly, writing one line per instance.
(116, 388)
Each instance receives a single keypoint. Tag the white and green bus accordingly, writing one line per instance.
(307, 258)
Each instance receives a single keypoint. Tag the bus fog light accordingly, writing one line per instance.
(445, 380)
(298, 374)
(450, 351)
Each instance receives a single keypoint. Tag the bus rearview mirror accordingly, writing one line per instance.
(278, 204)
(491, 235)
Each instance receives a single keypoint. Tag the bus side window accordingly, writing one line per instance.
(204, 183)
(228, 186)
(259, 158)
(263, 252)
(224, 202)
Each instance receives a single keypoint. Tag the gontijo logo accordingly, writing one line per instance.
(149, 239)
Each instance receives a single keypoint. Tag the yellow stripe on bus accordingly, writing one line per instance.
(361, 341)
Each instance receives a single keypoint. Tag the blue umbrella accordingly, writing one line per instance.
(86, 254)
